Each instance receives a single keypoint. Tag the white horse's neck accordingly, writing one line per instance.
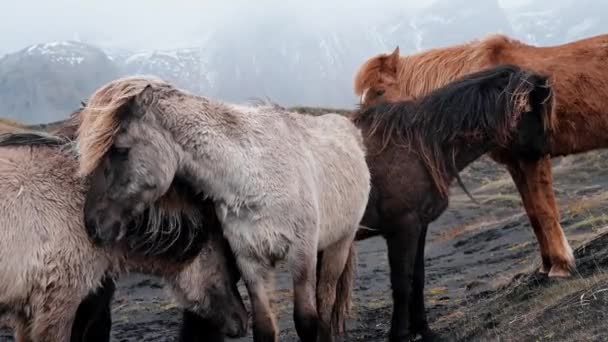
(212, 158)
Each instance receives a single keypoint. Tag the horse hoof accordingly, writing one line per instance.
(430, 336)
(401, 338)
(562, 268)
(544, 270)
(559, 272)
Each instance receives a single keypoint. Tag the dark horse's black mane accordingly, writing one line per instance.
(474, 107)
(31, 139)
(172, 246)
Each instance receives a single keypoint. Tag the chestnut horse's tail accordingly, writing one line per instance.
(344, 293)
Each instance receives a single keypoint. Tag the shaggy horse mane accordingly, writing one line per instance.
(169, 228)
(470, 108)
(31, 139)
(420, 73)
(173, 228)
(100, 119)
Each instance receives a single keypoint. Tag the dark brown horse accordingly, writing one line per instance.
(416, 149)
(580, 81)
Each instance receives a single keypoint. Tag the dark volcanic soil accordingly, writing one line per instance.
(480, 261)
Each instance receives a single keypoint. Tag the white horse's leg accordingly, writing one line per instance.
(20, 331)
(332, 265)
(53, 327)
(53, 321)
(255, 275)
(302, 265)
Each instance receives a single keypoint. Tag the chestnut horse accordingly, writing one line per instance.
(580, 80)
(416, 149)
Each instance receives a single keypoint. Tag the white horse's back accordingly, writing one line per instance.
(286, 186)
(343, 179)
(312, 165)
(40, 220)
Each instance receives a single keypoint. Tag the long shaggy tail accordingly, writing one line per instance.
(344, 293)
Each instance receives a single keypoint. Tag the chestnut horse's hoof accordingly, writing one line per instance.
(559, 272)
(562, 268)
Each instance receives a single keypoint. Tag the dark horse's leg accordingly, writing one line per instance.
(93, 320)
(194, 329)
(402, 241)
(419, 324)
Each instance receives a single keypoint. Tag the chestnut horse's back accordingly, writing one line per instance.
(579, 76)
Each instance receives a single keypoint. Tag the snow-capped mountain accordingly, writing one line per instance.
(46, 81)
(289, 59)
(187, 68)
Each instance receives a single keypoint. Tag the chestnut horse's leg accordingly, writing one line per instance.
(539, 180)
(522, 186)
(402, 241)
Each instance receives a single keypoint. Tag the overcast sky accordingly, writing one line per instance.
(159, 23)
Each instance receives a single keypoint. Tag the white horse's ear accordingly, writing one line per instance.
(142, 101)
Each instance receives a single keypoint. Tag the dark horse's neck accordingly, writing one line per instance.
(467, 153)
(463, 156)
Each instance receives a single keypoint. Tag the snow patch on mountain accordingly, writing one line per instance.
(64, 52)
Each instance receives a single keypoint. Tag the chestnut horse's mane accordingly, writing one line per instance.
(482, 104)
(418, 74)
(424, 76)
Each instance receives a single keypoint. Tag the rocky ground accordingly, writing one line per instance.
(481, 263)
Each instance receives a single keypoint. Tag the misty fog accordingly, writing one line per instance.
(162, 24)
(293, 52)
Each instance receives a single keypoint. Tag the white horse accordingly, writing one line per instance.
(286, 185)
(48, 264)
